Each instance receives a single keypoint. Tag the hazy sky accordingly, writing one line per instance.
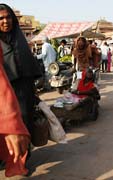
(64, 10)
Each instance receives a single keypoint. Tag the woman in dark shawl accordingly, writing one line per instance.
(19, 62)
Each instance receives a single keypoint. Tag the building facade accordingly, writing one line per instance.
(28, 24)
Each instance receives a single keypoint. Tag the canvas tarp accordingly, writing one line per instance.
(59, 30)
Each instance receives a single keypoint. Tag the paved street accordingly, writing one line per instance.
(89, 152)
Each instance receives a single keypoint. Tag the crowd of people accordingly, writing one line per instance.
(17, 74)
(106, 57)
(87, 53)
(84, 53)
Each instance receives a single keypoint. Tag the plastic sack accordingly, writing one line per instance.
(56, 130)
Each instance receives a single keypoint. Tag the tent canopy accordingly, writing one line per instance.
(60, 30)
(93, 35)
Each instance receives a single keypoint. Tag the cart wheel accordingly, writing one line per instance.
(60, 90)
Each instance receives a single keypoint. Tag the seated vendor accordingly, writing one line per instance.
(86, 86)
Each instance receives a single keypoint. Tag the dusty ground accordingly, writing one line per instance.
(89, 152)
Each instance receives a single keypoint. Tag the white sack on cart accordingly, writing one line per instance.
(56, 130)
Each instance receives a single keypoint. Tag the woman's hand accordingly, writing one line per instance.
(17, 145)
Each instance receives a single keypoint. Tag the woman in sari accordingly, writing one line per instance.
(19, 63)
(88, 95)
(86, 86)
(109, 60)
(14, 137)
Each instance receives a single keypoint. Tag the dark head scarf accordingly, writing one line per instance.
(89, 71)
(18, 59)
(83, 39)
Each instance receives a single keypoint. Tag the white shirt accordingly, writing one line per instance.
(48, 55)
(104, 50)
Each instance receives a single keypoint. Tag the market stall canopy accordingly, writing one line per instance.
(60, 30)
(93, 35)
(109, 35)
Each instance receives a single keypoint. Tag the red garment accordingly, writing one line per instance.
(84, 87)
(11, 123)
(109, 61)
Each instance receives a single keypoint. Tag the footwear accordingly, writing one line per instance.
(2, 165)
(28, 174)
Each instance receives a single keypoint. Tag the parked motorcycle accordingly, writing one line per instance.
(61, 75)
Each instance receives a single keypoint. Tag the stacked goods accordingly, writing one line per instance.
(66, 58)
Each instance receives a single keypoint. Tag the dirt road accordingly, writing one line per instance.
(89, 152)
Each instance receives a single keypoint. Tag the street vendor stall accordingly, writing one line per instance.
(76, 113)
(71, 30)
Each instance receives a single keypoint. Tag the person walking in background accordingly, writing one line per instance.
(111, 47)
(18, 62)
(61, 49)
(14, 137)
(48, 56)
(81, 58)
(81, 53)
(109, 60)
(104, 50)
(95, 54)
